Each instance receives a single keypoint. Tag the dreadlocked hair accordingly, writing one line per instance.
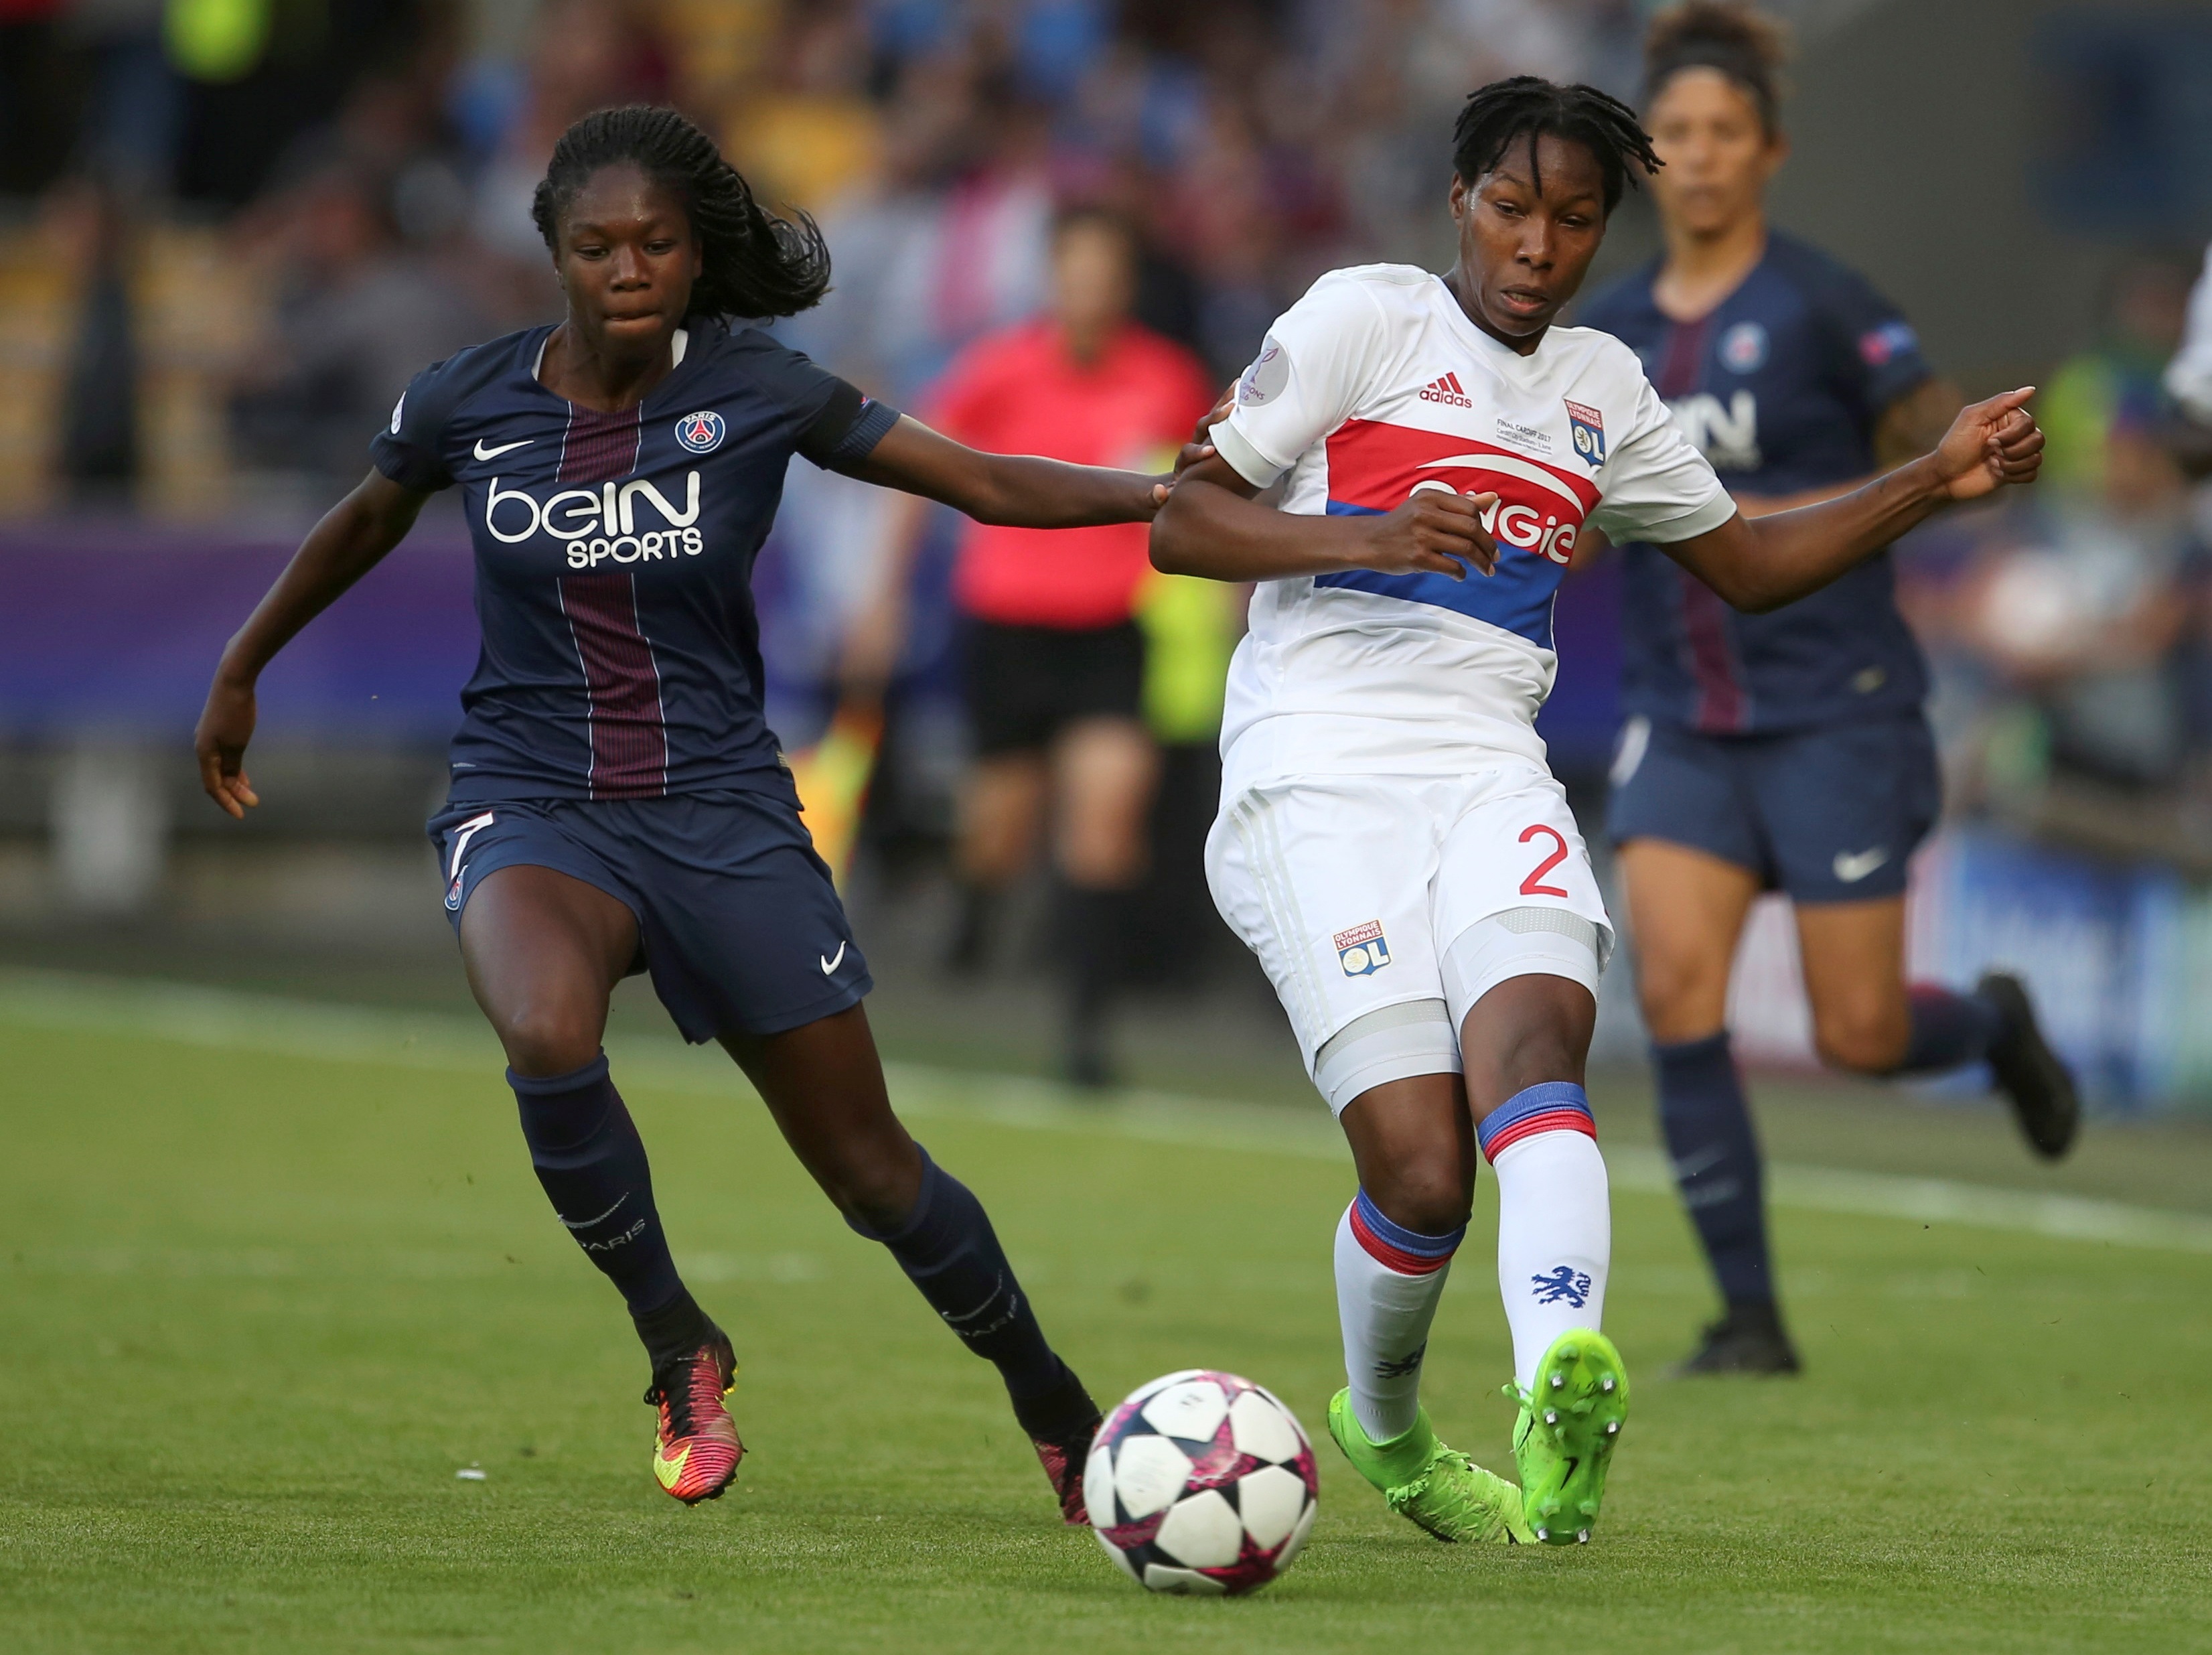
(1745, 46)
(1528, 106)
(752, 263)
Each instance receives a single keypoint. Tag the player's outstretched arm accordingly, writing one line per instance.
(1759, 564)
(352, 539)
(1019, 490)
(1210, 526)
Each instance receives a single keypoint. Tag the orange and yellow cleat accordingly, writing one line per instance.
(696, 1455)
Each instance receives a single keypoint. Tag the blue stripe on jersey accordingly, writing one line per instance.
(1516, 596)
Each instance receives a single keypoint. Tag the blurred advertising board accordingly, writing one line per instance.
(2119, 959)
(117, 628)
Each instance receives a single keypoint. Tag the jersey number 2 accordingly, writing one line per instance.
(1534, 885)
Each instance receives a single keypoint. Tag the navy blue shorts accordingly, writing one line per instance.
(1824, 815)
(737, 918)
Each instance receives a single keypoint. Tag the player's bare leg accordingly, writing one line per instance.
(1868, 1018)
(823, 1083)
(543, 951)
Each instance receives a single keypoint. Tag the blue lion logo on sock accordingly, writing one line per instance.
(1564, 1282)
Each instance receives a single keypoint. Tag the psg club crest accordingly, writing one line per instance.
(1743, 348)
(1361, 951)
(701, 432)
(1588, 428)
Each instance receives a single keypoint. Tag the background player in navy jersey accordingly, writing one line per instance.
(617, 803)
(1783, 751)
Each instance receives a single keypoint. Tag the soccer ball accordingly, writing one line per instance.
(1201, 1483)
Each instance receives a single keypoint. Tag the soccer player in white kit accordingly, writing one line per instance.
(1390, 843)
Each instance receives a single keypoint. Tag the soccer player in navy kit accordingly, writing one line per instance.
(1787, 750)
(617, 803)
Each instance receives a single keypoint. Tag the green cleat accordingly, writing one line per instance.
(1428, 1484)
(1566, 1434)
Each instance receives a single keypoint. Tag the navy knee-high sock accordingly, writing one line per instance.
(1716, 1161)
(948, 1249)
(1949, 1030)
(589, 1157)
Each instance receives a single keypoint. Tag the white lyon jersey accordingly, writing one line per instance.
(1376, 385)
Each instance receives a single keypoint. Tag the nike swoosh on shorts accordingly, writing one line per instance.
(1852, 866)
(832, 964)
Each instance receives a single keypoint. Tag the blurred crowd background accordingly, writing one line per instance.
(230, 230)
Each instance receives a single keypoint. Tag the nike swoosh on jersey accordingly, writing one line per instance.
(832, 964)
(483, 452)
(1852, 866)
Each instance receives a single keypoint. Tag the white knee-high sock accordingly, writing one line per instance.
(1555, 1217)
(1387, 1281)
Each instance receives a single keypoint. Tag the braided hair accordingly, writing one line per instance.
(751, 262)
(1743, 44)
(1528, 106)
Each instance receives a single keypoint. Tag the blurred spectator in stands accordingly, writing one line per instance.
(98, 458)
(257, 73)
(358, 315)
(2085, 606)
(583, 55)
(39, 94)
(808, 133)
(2145, 306)
(1055, 663)
(134, 100)
(947, 239)
(941, 240)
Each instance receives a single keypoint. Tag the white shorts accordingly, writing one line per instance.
(1383, 907)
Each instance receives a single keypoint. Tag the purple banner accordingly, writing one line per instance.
(116, 627)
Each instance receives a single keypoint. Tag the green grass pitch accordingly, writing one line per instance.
(260, 1307)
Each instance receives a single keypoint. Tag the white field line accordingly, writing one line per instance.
(228, 1020)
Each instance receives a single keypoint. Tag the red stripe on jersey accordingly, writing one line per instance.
(629, 736)
(1683, 366)
(1376, 464)
(599, 448)
(1723, 706)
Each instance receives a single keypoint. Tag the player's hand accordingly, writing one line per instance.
(225, 726)
(1989, 445)
(1431, 534)
(1197, 448)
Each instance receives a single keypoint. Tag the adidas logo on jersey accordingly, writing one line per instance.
(1446, 389)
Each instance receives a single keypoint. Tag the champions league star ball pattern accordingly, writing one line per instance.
(1201, 1483)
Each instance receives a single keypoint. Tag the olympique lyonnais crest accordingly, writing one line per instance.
(1361, 951)
(701, 432)
(1588, 428)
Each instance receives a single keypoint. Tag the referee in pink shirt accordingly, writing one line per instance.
(1055, 666)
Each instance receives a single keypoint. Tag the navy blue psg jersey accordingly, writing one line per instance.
(614, 557)
(1781, 387)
